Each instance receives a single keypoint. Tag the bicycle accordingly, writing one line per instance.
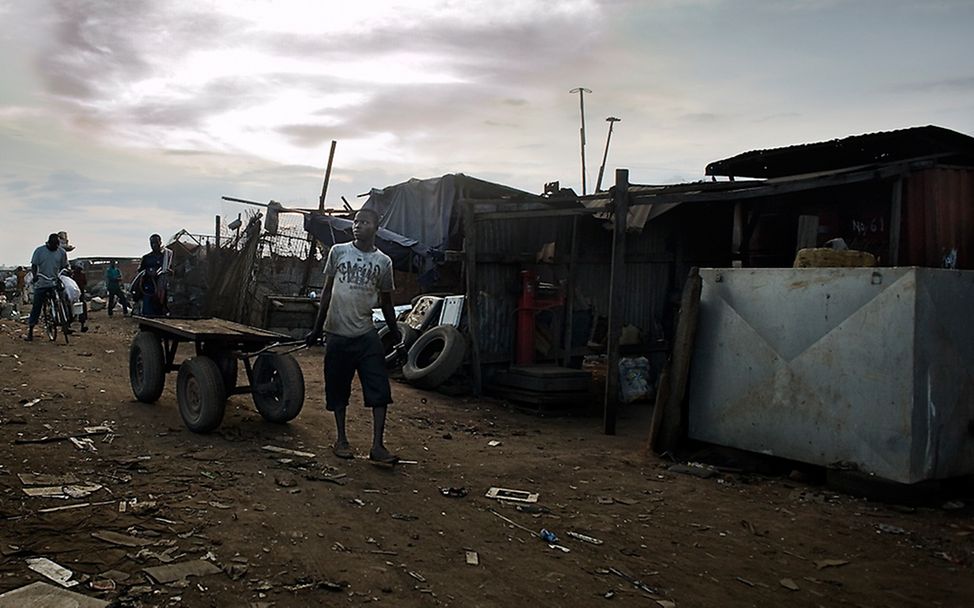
(54, 312)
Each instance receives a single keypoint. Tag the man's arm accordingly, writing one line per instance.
(389, 312)
(33, 272)
(323, 304)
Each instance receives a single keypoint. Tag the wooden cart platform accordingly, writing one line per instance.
(206, 380)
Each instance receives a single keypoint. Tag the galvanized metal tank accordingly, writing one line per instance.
(872, 367)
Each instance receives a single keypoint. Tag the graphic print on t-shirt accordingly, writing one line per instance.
(358, 274)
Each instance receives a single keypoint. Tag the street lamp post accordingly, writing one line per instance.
(581, 105)
(608, 138)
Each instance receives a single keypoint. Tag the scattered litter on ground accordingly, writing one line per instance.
(117, 538)
(512, 495)
(584, 538)
(888, 529)
(56, 572)
(638, 584)
(180, 571)
(83, 443)
(514, 523)
(789, 584)
(821, 564)
(338, 479)
(472, 558)
(277, 450)
(693, 468)
(43, 594)
(80, 505)
(494, 443)
(65, 491)
(453, 492)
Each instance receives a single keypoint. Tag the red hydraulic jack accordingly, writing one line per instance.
(529, 304)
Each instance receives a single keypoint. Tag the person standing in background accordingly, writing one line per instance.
(113, 283)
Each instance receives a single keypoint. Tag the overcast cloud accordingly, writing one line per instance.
(119, 119)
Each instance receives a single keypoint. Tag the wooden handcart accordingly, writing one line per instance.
(204, 381)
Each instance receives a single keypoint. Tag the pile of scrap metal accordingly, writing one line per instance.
(433, 343)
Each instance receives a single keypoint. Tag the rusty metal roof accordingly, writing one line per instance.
(871, 148)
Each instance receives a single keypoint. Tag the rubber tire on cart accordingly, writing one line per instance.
(278, 387)
(147, 367)
(409, 336)
(435, 356)
(200, 393)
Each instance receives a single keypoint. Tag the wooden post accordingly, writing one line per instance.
(617, 292)
(470, 272)
(665, 434)
(569, 324)
(312, 244)
(218, 232)
(324, 185)
(895, 222)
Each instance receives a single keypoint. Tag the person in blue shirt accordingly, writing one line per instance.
(48, 260)
(113, 283)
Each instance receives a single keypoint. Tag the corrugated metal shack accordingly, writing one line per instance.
(906, 196)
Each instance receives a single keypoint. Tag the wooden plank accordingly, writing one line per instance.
(539, 213)
(569, 322)
(210, 327)
(895, 222)
(673, 427)
(617, 293)
(662, 396)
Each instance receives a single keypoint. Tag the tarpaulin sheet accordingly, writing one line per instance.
(407, 254)
(427, 209)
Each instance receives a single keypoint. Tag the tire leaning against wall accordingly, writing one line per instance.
(435, 356)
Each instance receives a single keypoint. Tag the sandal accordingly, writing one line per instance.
(342, 451)
(389, 460)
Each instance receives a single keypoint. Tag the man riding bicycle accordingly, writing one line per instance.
(45, 264)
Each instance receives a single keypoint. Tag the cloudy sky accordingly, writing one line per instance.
(122, 118)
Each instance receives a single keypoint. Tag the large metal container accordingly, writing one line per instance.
(872, 367)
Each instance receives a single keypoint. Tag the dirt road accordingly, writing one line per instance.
(311, 531)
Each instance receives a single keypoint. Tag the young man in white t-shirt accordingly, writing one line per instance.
(357, 276)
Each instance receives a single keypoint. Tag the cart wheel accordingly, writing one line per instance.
(278, 387)
(147, 369)
(199, 390)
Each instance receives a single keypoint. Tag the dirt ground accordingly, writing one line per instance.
(311, 531)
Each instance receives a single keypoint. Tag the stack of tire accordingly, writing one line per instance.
(435, 352)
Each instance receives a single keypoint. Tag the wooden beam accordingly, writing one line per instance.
(895, 222)
(569, 323)
(617, 294)
(672, 429)
(539, 213)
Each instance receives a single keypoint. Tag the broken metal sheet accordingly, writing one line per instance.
(67, 491)
(40, 479)
(56, 572)
(175, 572)
(48, 596)
(120, 539)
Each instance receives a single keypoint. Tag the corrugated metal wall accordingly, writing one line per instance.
(657, 262)
(938, 217)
